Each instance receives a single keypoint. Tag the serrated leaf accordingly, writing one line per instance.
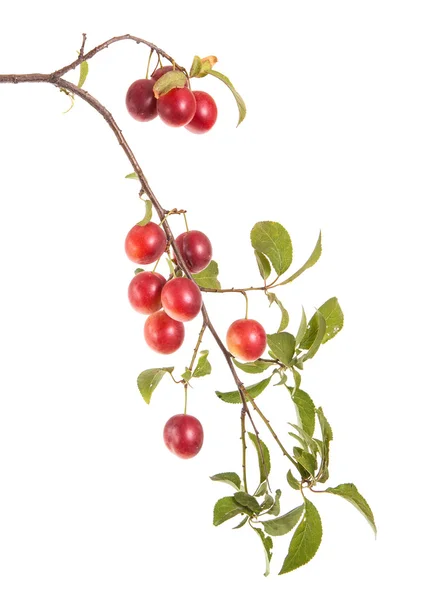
(232, 479)
(349, 492)
(283, 346)
(258, 366)
(316, 253)
(149, 379)
(299, 439)
(283, 377)
(239, 100)
(225, 509)
(305, 410)
(333, 317)
(309, 441)
(326, 430)
(263, 461)
(305, 541)
(148, 213)
(186, 375)
(267, 503)
(196, 66)
(319, 336)
(302, 328)
(132, 176)
(285, 317)
(247, 501)
(252, 390)
(306, 460)
(267, 545)
(283, 525)
(272, 239)
(263, 265)
(168, 81)
(276, 508)
(83, 72)
(324, 445)
(293, 482)
(208, 278)
(203, 365)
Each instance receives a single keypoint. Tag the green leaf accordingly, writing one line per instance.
(263, 265)
(273, 240)
(247, 501)
(326, 430)
(307, 460)
(302, 328)
(299, 439)
(258, 366)
(263, 461)
(297, 380)
(262, 489)
(208, 278)
(319, 336)
(276, 508)
(225, 509)
(132, 176)
(239, 100)
(187, 374)
(203, 365)
(305, 410)
(324, 445)
(83, 72)
(283, 346)
(283, 525)
(148, 213)
(285, 317)
(168, 81)
(196, 66)
(242, 523)
(267, 503)
(171, 266)
(267, 545)
(137, 271)
(232, 479)
(333, 317)
(308, 440)
(293, 482)
(149, 379)
(316, 253)
(283, 377)
(253, 390)
(305, 541)
(350, 493)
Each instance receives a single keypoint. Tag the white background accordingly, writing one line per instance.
(92, 505)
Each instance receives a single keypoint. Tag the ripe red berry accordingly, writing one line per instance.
(144, 292)
(246, 339)
(140, 100)
(145, 244)
(163, 334)
(196, 250)
(160, 72)
(177, 107)
(181, 298)
(183, 435)
(205, 115)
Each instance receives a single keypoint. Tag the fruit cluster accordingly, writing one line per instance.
(171, 303)
(179, 107)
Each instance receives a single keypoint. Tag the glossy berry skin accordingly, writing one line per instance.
(160, 72)
(183, 435)
(144, 292)
(145, 244)
(206, 113)
(196, 250)
(177, 107)
(140, 100)
(181, 298)
(163, 334)
(246, 339)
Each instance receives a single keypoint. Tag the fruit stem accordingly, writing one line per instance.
(185, 398)
(186, 222)
(156, 265)
(246, 304)
(149, 63)
(196, 349)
